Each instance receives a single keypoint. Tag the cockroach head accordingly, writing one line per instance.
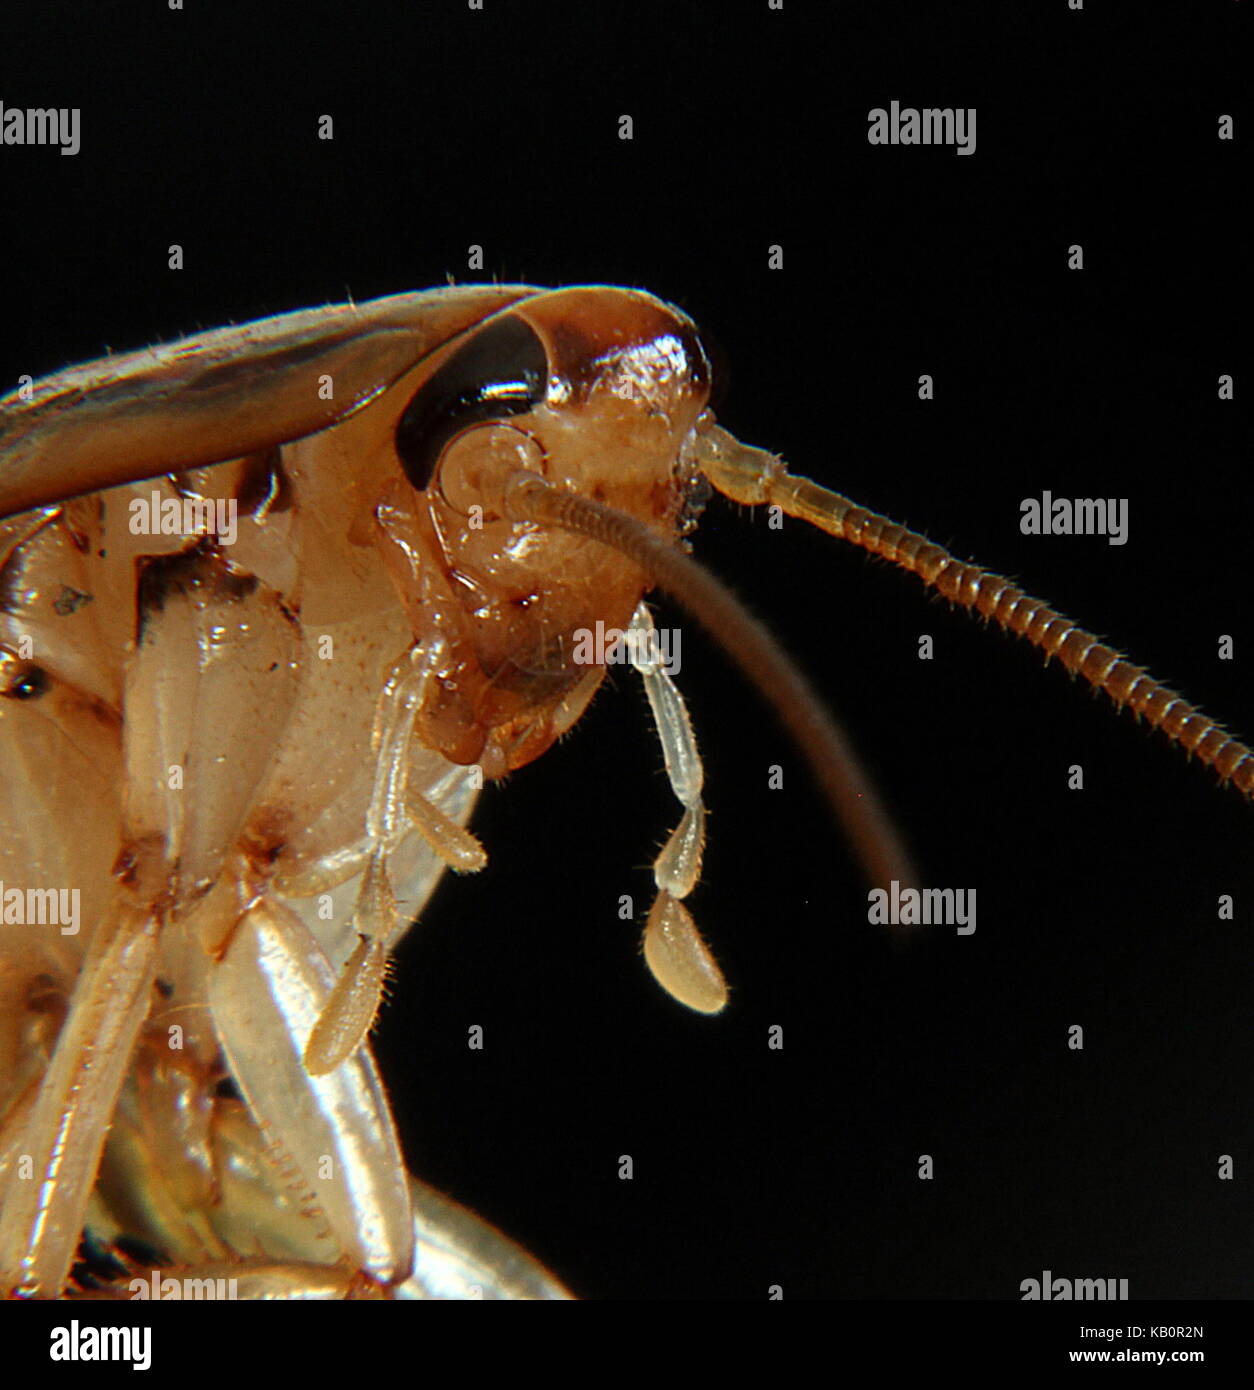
(593, 392)
(594, 389)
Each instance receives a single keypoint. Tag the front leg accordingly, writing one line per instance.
(354, 1001)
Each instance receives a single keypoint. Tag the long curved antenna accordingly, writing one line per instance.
(753, 476)
(848, 788)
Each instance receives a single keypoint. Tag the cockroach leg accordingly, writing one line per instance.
(754, 476)
(351, 1005)
(44, 1202)
(332, 1133)
(673, 949)
(354, 1001)
(206, 701)
(454, 844)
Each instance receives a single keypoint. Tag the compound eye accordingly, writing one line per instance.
(501, 370)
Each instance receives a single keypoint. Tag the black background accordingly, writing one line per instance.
(756, 1168)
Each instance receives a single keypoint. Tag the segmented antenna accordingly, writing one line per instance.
(753, 476)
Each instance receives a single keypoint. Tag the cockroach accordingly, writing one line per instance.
(275, 601)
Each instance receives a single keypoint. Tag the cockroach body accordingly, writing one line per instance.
(274, 603)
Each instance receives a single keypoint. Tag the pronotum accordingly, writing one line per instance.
(275, 602)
